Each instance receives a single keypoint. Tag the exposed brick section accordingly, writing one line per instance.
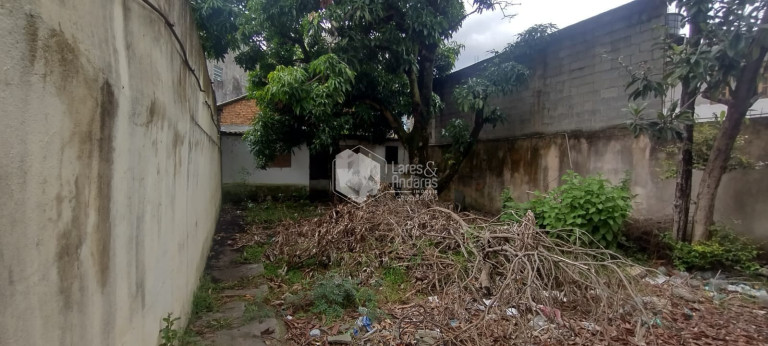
(239, 112)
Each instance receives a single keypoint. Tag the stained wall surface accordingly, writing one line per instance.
(110, 170)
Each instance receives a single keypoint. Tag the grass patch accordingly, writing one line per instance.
(257, 310)
(395, 284)
(241, 192)
(252, 253)
(204, 299)
(332, 295)
(222, 323)
(269, 213)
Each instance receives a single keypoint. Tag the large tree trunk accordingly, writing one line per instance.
(743, 98)
(703, 216)
(688, 95)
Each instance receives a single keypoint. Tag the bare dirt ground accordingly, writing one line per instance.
(278, 271)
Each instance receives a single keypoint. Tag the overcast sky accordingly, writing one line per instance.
(481, 33)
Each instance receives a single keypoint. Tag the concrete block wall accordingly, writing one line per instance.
(109, 170)
(576, 82)
(536, 163)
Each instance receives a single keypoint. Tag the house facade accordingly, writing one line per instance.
(238, 166)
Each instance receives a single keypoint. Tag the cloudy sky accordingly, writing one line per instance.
(481, 33)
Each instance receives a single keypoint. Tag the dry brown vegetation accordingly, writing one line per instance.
(480, 281)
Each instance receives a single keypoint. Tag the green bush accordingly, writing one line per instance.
(332, 295)
(723, 250)
(590, 204)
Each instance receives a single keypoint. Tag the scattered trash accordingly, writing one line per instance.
(716, 285)
(637, 271)
(512, 312)
(746, 290)
(433, 299)
(315, 333)
(486, 303)
(657, 279)
(454, 323)
(688, 314)
(364, 324)
(762, 298)
(550, 313)
(289, 317)
(539, 322)
(590, 326)
(556, 294)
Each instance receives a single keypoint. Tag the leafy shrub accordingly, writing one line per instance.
(590, 204)
(723, 250)
(333, 294)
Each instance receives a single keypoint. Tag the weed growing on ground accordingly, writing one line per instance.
(252, 253)
(723, 250)
(395, 284)
(170, 336)
(268, 214)
(257, 310)
(203, 300)
(222, 323)
(332, 295)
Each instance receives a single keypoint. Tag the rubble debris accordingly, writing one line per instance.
(340, 339)
(684, 294)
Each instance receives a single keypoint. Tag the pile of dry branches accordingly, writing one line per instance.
(491, 281)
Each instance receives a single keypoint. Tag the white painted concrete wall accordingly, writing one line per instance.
(109, 171)
(238, 166)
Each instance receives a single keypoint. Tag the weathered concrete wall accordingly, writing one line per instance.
(234, 79)
(537, 163)
(110, 174)
(239, 166)
(573, 85)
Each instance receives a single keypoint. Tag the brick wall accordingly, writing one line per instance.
(573, 86)
(238, 112)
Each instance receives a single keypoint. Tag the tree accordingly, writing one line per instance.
(739, 47)
(720, 61)
(323, 70)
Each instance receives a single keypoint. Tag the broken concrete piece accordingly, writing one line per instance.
(427, 337)
(684, 294)
(340, 339)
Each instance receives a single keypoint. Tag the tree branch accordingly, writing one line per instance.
(394, 122)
